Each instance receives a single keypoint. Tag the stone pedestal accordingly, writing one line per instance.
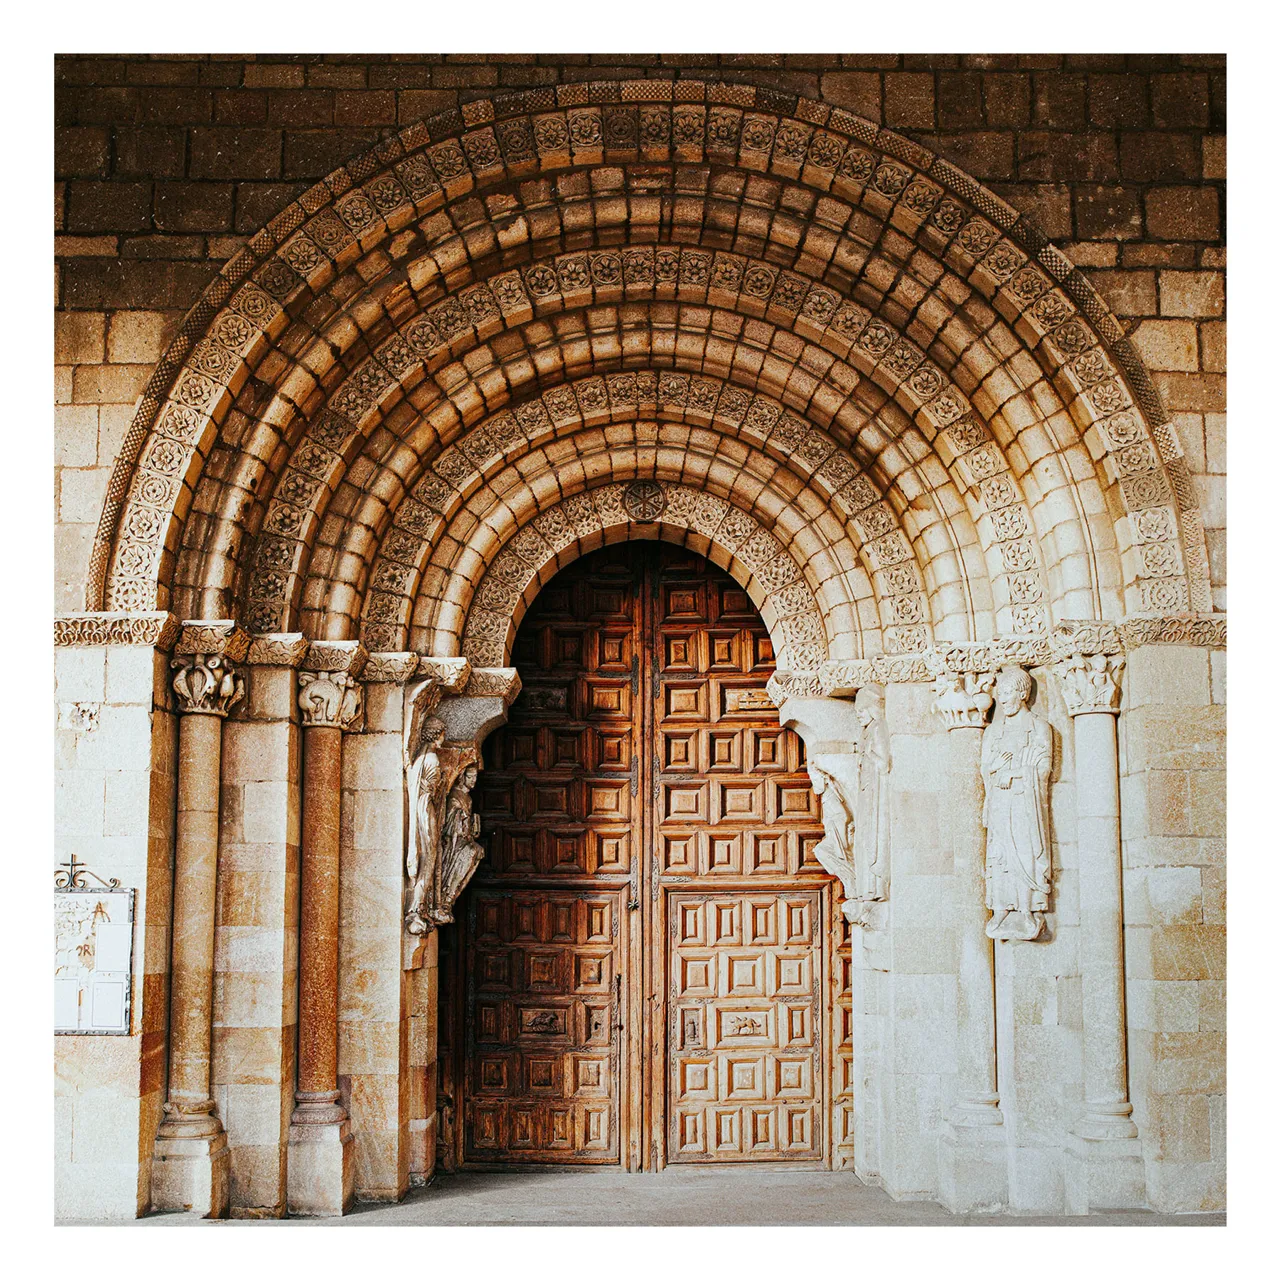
(1103, 1173)
(192, 1174)
(322, 1168)
(973, 1166)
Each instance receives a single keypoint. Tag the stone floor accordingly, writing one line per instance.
(681, 1197)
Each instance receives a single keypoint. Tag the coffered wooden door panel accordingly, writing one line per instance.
(649, 968)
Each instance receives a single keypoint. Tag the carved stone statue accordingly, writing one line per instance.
(462, 852)
(1017, 756)
(442, 852)
(428, 787)
(871, 809)
(835, 850)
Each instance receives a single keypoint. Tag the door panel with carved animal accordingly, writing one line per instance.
(648, 967)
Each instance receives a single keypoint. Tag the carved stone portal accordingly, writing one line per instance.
(1017, 756)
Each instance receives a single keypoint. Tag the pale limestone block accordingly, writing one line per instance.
(372, 902)
(81, 494)
(1218, 674)
(270, 694)
(108, 1192)
(138, 337)
(1173, 1187)
(1217, 1127)
(369, 994)
(1187, 1062)
(1213, 1005)
(1175, 1006)
(372, 762)
(252, 1000)
(258, 1181)
(1207, 802)
(1174, 895)
(80, 675)
(371, 949)
(917, 951)
(368, 1047)
(257, 752)
(1167, 674)
(103, 1131)
(123, 733)
(252, 1055)
(1066, 889)
(128, 803)
(248, 949)
(1188, 952)
(377, 828)
(75, 435)
(909, 711)
(1138, 961)
(375, 1102)
(922, 900)
(268, 814)
(384, 708)
(1035, 1180)
(252, 1114)
(1071, 1003)
(78, 800)
(132, 673)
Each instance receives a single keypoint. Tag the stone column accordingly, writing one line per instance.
(973, 1169)
(1103, 1160)
(191, 1164)
(321, 1177)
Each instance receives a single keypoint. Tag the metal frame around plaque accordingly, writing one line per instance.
(71, 881)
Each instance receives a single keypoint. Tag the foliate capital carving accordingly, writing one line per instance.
(391, 668)
(451, 674)
(206, 684)
(220, 636)
(964, 698)
(792, 684)
(279, 649)
(1091, 682)
(347, 656)
(494, 682)
(331, 700)
(1204, 630)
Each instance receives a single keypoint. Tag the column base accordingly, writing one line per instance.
(973, 1167)
(1103, 1173)
(192, 1174)
(322, 1169)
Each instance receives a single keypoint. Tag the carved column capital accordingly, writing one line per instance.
(331, 700)
(1091, 682)
(964, 698)
(207, 684)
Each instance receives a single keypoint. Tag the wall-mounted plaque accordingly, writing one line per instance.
(93, 955)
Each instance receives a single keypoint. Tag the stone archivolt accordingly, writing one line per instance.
(791, 249)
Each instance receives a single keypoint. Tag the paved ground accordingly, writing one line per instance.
(680, 1197)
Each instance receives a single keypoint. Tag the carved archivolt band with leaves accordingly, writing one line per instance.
(416, 172)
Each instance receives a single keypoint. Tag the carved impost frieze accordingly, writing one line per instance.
(1085, 636)
(331, 700)
(843, 678)
(783, 685)
(391, 668)
(1091, 682)
(980, 656)
(494, 682)
(206, 684)
(1204, 630)
(451, 674)
(347, 656)
(220, 636)
(279, 649)
(159, 629)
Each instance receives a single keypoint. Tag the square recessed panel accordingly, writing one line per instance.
(746, 974)
(523, 1127)
(696, 1080)
(745, 700)
(515, 850)
(680, 652)
(739, 802)
(680, 750)
(566, 648)
(542, 1020)
(590, 1076)
(724, 651)
(682, 701)
(690, 923)
(609, 603)
(793, 974)
(566, 749)
(684, 801)
(548, 800)
(613, 850)
(726, 1129)
(679, 851)
(794, 801)
(567, 853)
(684, 602)
(792, 1076)
(724, 751)
(808, 843)
(613, 651)
(695, 975)
(761, 1124)
(608, 801)
(766, 852)
(591, 972)
(519, 749)
(735, 604)
(611, 750)
(560, 1128)
(760, 918)
(486, 1127)
(494, 968)
(543, 970)
(762, 652)
(798, 1128)
(765, 751)
(744, 1079)
(690, 1132)
(598, 920)
(724, 853)
(797, 919)
(608, 700)
(492, 1074)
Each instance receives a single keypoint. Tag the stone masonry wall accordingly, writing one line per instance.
(165, 165)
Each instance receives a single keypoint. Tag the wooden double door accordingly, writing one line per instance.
(650, 966)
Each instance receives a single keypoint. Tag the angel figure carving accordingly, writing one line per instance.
(871, 808)
(1017, 756)
(425, 774)
(835, 850)
(462, 852)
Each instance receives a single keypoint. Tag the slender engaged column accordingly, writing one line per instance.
(191, 1161)
(1104, 1168)
(972, 1159)
(321, 1177)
